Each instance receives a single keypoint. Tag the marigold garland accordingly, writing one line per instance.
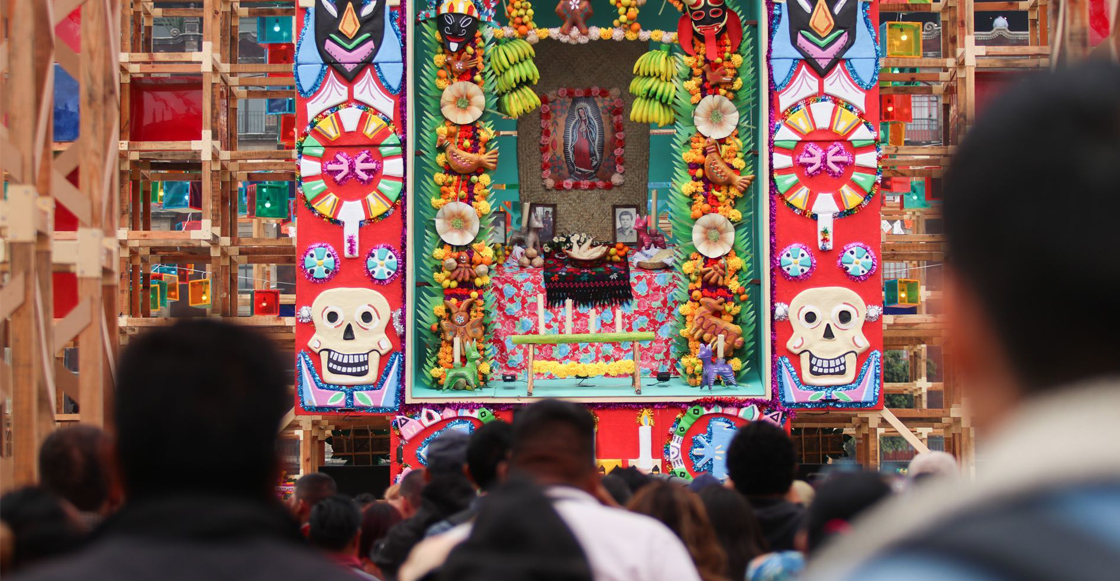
(565, 370)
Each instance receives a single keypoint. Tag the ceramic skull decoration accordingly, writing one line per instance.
(827, 334)
(351, 334)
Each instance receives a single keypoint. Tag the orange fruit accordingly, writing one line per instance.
(696, 214)
(523, 30)
(635, 27)
(441, 74)
(631, 14)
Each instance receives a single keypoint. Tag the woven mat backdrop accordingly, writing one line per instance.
(608, 65)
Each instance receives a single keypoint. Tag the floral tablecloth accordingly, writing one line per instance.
(653, 309)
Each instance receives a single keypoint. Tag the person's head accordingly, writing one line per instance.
(1005, 212)
(761, 460)
(488, 454)
(365, 499)
(932, 464)
(554, 443)
(840, 499)
(626, 219)
(736, 528)
(518, 535)
(684, 514)
(75, 464)
(334, 525)
(635, 479)
(377, 519)
(310, 490)
(447, 454)
(801, 493)
(411, 489)
(42, 526)
(617, 488)
(223, 384)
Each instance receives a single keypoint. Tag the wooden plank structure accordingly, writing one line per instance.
(30, 251)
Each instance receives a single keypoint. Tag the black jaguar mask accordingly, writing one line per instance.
(822, 31)
(348, 33)
(458, 23)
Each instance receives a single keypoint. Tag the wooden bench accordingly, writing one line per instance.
(633, 337)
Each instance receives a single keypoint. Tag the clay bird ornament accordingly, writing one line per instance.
(718, 172)
(465, 162)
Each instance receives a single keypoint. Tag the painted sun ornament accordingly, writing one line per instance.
(457, 223)
(715, 117)
(713, 235)
(462, 103)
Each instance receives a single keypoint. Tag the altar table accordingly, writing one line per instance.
(653, 309)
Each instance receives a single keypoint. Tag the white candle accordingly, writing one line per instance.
(455, 349)
(618, 319)
(645, 461)
(568, 316)
(540, 313)
(591, 322)
(719, 346)
(651, 218)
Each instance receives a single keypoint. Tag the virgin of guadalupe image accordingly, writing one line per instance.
(584, 138)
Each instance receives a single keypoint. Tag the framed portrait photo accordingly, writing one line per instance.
(623, 224)
(499, 229)
(546, 213)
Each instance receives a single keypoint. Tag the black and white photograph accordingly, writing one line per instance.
(499, 229)
(624, 217)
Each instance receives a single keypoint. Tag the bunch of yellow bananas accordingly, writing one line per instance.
(518, 101)
(513, 64)
(654, 87)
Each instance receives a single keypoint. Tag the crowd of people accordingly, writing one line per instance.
(185, 487)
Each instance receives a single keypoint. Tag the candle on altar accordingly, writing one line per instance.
(568, 316)
(540, 313)
(618, 319)
(719, 346)
(455, 350)
(651, 218)
(645, 460)
(591, 322)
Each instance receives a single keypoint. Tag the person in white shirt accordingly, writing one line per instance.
(554, 446)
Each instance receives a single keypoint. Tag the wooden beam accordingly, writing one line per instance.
(904, 431)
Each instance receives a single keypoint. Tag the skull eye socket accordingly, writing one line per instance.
(698, 15)
(809, 317)
(367, 317)
(844, 316)
(332, 316)
(715, 12)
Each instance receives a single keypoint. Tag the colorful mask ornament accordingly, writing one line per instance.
(708, 19)
(348, 33)
(458, 20)
(822, 31)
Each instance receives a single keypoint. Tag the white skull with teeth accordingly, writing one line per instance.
(827, 334)
(350, 334)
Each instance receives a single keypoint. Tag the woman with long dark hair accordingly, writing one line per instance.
(735, 527)
(681, 511)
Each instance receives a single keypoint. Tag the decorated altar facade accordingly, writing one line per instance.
(671, 215)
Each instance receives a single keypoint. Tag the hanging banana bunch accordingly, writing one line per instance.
(516, 73)
(654, 87)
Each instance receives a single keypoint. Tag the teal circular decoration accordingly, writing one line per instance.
(797, 262)
(320, 263)
(382, 264)
(857, 261)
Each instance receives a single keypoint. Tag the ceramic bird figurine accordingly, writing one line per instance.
(717, 170)
(465, 162)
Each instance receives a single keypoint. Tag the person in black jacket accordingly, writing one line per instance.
(761, 463)
(198, 405)
(447, 492)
